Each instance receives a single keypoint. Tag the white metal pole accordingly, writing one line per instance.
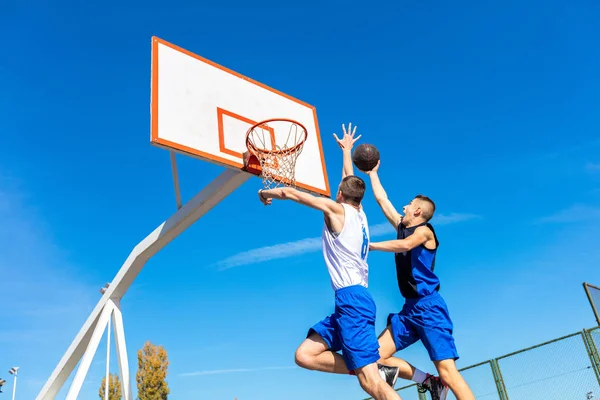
(92, 346)
(106, 384)
(121, 348)
(15, 387)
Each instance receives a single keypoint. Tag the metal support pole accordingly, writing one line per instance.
(14, 387)
(499, 380)
(592, 351)
(107, 381)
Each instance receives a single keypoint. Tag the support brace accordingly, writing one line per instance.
(86, 342)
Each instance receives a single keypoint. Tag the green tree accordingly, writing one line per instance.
(114, 387)
(152, 372)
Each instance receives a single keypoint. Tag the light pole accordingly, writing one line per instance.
(13, 371)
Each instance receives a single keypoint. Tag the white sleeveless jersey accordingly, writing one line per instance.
(346, 255)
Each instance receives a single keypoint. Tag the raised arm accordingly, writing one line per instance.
(329, 207)
(386, 205)
(346, 143)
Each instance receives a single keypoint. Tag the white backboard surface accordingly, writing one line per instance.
(202, 109)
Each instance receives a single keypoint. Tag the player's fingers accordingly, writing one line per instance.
(344, 128)
(338, 140)
(356, 138)
(354, 131)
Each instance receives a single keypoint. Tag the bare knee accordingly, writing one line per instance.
(367, 383)
(303, 357)
(371, 382)
(448, 372)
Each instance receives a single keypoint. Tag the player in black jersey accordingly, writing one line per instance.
(425, 315)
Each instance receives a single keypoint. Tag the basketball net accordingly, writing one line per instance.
(276, 144)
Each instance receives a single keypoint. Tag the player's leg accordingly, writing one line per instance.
(315, 354)
(435, 329)
(387, 348)
(318, 351)
(355, 317)
(397, 336)
(371, 382)
(452, 378)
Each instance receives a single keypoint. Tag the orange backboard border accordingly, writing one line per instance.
(157, 141)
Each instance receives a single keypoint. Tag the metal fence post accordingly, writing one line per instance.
(499, 380)
(592, 351)
(586, 287)
(422, 396)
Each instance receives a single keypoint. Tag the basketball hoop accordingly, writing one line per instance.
(276, 144)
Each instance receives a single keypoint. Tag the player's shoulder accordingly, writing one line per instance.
(426, 230)
(336, 207)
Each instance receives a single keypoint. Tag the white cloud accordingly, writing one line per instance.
(592, 167)
(309, 245)
(575, 213)
(452, 218)
(229, 371)
(274, 252)
(384, 228)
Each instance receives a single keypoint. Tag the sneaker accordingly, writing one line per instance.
(438, 390)
(388, 373)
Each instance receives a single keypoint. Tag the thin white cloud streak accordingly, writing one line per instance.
(310, 245)
(452, 218)
(575, 213)
(231, 371)
(275, 252)
(592, 167)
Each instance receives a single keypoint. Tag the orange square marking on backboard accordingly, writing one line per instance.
(222, 147)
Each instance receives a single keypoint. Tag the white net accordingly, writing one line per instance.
(277, 144)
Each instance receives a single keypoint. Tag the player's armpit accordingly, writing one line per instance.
(400, 245)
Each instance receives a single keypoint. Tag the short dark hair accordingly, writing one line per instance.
(427, 211)
(353, 189)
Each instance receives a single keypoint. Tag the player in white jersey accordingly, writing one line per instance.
(345, 239)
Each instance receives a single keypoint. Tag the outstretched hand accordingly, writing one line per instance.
(374, 170)
(348, 140)
(264, 200)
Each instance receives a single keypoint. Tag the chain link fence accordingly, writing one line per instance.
(557, 370)
(566, 368)
(480, 378)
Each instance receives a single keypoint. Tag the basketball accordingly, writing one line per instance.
(365, 157)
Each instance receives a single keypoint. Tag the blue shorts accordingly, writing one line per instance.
(426, 319)
(351, 328)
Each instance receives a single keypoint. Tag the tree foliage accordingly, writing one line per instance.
(114, 387)
(152, 372)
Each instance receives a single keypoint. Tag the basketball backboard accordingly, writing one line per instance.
(204, 110)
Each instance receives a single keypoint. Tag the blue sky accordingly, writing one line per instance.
(490, 109)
